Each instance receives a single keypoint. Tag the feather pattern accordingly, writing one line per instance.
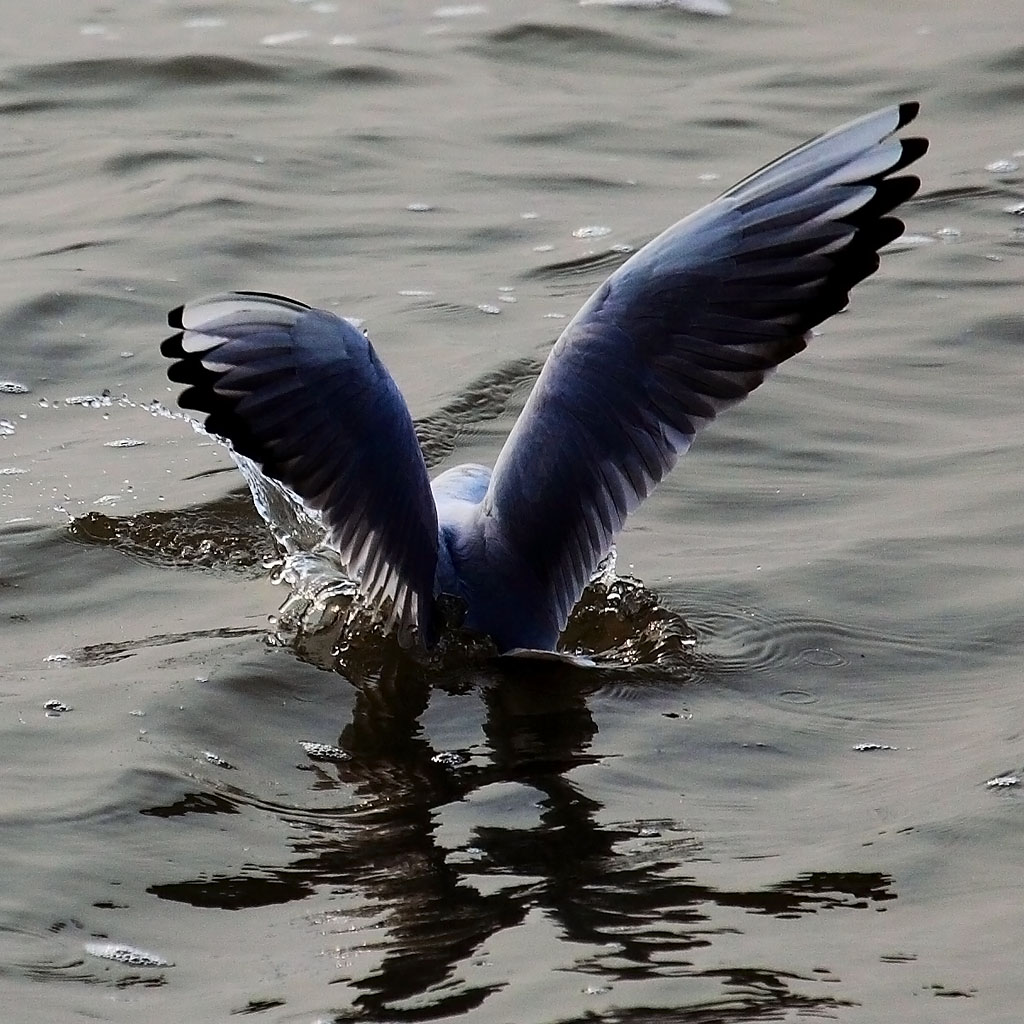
(302, 394)
(687, 327)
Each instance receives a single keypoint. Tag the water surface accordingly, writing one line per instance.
(792, 818)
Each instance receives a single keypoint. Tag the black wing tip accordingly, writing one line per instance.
(174, 318)
(171, 347)
(908, 110)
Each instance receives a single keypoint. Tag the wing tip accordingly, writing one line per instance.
(908, 110)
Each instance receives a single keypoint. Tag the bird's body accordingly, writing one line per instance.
(685, 328)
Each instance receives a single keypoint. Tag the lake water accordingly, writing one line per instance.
(810, 812)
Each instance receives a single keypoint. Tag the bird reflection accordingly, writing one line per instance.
(617, 892)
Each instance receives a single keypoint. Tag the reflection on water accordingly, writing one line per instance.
(621, 892)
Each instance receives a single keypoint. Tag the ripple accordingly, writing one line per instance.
(543, 43)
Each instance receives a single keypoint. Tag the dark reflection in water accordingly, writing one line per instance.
(618, 890)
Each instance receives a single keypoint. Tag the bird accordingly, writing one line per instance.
(685, 328)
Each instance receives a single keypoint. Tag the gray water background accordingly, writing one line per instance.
(696, 838)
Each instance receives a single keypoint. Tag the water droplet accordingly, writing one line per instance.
(12, 387)
(1002, 167)
(57, 706)
(948, 233)
(865, 747)
(6, 428)
(419, 207)
(592, 231)
(485, 307)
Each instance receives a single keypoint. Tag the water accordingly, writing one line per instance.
(809, 813)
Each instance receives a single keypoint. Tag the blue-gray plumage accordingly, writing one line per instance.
(685, 328)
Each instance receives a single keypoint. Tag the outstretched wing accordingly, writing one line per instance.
(687, 327)
(302, 393)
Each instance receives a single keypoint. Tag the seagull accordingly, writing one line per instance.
(688, 326)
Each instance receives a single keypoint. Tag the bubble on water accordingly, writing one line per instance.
(124, 442)
(1003, 782)
(543, 248)
(708, 176)
(507, 298)
(486, 307)
(416, 293)
(824, 657)
(12, 387)
(55, 707)
(622, 247)
(122, 953)
(6, 428)
(419, 207)
(108, 499)
(323, 751)
(12, 471)
(1002, 167)
(529, 215)
(343, 41)
(217, 760)
(592, 231)
(101, 401)
(948, 233)
(865, 747)
(450, 759)
(1017, 209)
(53, 658)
